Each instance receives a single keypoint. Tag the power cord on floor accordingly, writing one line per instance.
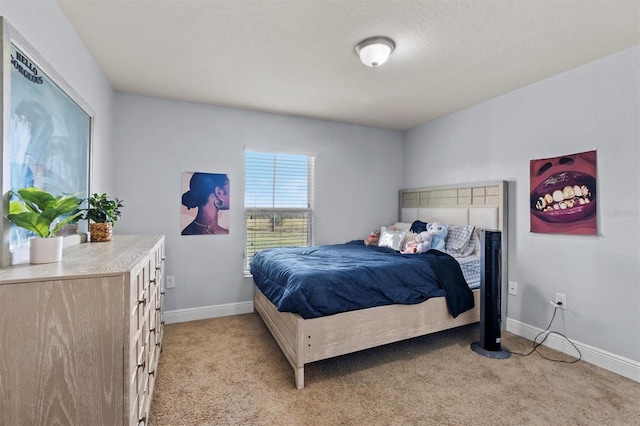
(537, 344)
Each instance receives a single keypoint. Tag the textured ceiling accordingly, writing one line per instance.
(297, 56)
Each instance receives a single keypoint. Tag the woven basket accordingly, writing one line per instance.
(100, 232)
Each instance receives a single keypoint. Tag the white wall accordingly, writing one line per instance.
(44, 27)
(593, 106)
(357, 182)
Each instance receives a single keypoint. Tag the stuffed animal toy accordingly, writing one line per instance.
(423, 241)
(439, 232)
(420, 244)
(373, 238)
(410, 248)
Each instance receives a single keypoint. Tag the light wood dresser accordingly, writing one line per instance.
(80, 340)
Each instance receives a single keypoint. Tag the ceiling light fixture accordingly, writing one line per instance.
(375, 51)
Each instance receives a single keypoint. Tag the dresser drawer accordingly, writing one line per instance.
(104, 295)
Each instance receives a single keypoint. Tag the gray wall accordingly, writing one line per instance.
(357, 181)
(43, 26)
(593, 106)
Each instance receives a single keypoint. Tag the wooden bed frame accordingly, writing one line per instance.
(307, 340)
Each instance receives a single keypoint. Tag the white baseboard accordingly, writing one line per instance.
(612, 362)
(205, 312)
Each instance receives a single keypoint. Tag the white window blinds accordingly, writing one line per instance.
(278, 201)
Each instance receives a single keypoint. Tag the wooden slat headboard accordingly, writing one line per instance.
(469, 196)
(483, 204)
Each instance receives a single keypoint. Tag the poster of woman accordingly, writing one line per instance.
(563, 194)
(205, 203)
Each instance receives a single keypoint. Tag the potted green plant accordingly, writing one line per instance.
(43, 214)
(102, 212)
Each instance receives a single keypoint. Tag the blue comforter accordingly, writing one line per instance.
(325, 280)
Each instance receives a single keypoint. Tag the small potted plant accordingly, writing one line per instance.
(43, 214)
(102, 212)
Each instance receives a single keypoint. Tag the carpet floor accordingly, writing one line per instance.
(230, 371)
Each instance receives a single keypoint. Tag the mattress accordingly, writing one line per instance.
(325, 280)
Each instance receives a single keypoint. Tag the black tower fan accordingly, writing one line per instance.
(490, 296)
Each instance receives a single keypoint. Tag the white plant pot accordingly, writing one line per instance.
(45, 250)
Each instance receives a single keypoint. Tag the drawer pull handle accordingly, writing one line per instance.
(143, 301)
(142, 421)
(162, 292)
(141, 365)
(158, 268)
(152, 281)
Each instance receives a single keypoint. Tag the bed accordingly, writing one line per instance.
(306, 340)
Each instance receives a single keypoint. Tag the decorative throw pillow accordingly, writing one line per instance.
(418, 226)
(474, 245)
(391, 238)
(460, 240)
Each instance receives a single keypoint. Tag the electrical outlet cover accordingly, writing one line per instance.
(171, 281)
(561, 297)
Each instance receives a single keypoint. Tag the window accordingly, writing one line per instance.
(278, 200)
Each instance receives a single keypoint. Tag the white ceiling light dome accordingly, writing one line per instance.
(375, 51)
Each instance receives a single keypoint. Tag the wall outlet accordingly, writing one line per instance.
(513, 288)
(561, 298)
(171, 281)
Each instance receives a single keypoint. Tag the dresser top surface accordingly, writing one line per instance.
(87, 259)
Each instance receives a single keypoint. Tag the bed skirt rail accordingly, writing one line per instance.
(304, 341)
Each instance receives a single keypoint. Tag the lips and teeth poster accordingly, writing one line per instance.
(563, 194)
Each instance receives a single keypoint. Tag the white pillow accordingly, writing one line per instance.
(402, 225)
(391, 238)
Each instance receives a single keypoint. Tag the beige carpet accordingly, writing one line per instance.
(230, 371)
